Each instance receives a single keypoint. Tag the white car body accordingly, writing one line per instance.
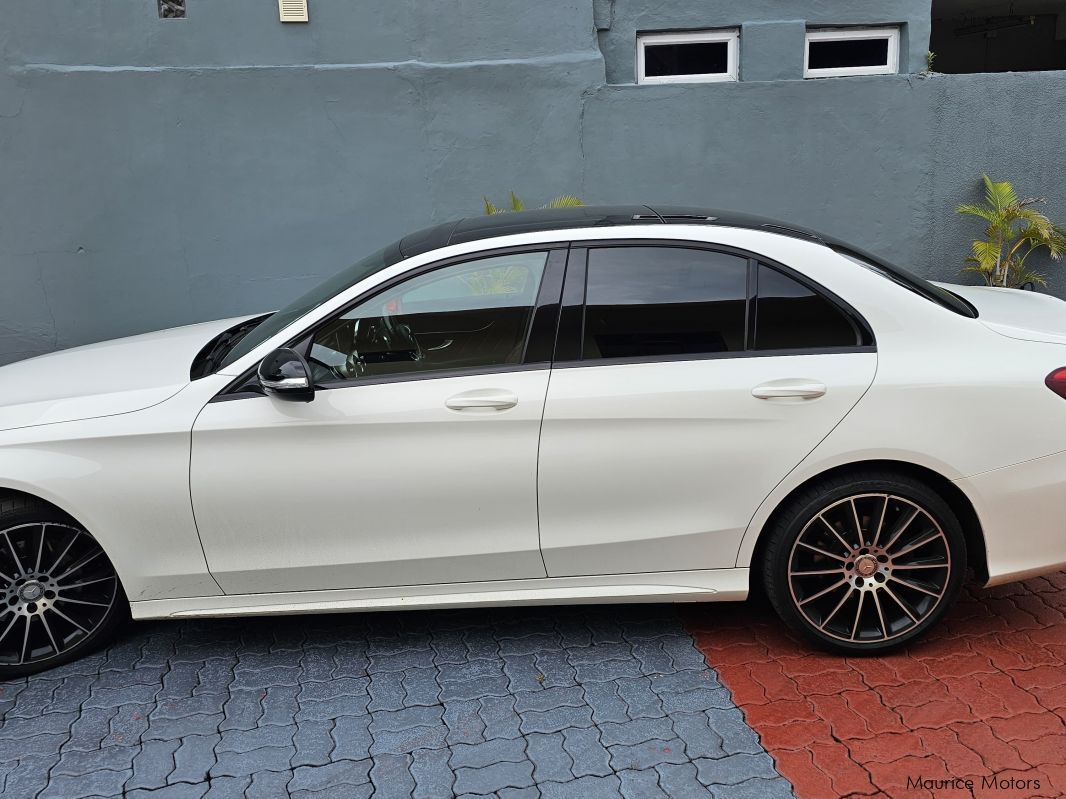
(609, 482)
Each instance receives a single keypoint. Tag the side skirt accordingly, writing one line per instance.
(690, 586)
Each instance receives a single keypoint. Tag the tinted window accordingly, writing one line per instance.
(839, 53)
(468, 315)
(695, 58)
(661, 301)
(791, 316)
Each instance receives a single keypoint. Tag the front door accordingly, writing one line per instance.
(416, 461)
(691, 384)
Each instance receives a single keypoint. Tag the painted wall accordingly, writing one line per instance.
(157, 172)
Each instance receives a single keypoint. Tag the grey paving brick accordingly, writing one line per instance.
(243, 764)
(180, 791)
(556, 668)
(548, 698)
(397, 720)
(280, 705)
(421, 687)
(391, 776)
(275, 675)
(483, 754)
(379, 664)
(653, 658)
(556, 719)
(333, 689)
(31, 776)
(318, 778)
(532, 792)
(493, 778)
(683, 652)
(332, 708)
(605, 702)
(242, 710)
(606, 670)
(98, 783)
(499, 718)
(269, 785)
(192, 705)
(247, 740)
(682, 681)
(127, 725)
(522, 673)
(169, 729)
(469, 670)
(637, 731)
(587, 751)
(432, 774)
(314, 743)
(641, 701)
(550, 759)
(350, 660)
(337, 792)
(583, 788)
(406, 741)
(598, 653)
(647, 754)
(45, 723)
(754, 789)
(736, 735)
(735, 769)
(194, 758)
(76, 763)
(529, 644)
(641, 784)
(700, 740)
(351, 738)
(679, 781)
(449, 647)
(114, 697)
(228, 788)
(695, 701)
(386, 691)
(474, 689)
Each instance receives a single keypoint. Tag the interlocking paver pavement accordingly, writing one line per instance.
(981, 698)
(511, 704)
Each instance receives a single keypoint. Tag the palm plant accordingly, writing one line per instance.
(1014, 231)
(565, 201)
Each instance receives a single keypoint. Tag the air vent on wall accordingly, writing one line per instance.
(292, 10)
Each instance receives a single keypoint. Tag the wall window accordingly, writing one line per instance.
(837, 52)
(663, 301)
(693, 57)
(469, 315)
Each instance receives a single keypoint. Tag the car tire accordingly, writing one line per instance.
(60, 597)
(864, 563)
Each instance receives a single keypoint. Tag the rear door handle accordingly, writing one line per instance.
(492, 399)
(799, 388)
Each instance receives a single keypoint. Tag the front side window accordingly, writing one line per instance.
(663, 301)
(789, 315)
(692, 57)
(470, 315)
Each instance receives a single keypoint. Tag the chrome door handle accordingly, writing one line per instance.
(791, 388)
(483, 399)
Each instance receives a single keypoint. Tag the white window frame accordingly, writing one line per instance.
(731, 36)
(838, 34)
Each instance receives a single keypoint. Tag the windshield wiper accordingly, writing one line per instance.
(215, 351)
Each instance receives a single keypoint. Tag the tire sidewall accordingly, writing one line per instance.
(793, 523)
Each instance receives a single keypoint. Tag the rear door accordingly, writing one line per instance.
(688, 382)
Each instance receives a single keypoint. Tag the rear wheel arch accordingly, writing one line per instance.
(956, 499)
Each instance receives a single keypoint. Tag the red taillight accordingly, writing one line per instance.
(1056, 381)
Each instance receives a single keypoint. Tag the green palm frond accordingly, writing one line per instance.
(565, 201)
(1014, 230)
(490, 209)
(516, 204)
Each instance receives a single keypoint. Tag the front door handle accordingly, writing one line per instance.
(492, 399)
(792, 388)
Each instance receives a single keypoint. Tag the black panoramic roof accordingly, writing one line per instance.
(506, 224)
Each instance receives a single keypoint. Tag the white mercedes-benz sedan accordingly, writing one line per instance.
(608, 404)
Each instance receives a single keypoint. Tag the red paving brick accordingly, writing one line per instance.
(982, 697)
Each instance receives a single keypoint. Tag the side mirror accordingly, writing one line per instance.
(285, 374)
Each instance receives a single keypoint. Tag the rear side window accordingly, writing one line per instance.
(789, 315)
(663, 301)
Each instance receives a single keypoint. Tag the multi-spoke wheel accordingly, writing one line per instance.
(866, 563)
(59, 594)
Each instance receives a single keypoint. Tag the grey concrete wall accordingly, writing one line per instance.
(156, 172)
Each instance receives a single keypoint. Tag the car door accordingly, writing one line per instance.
(416, 461)
(688, 382)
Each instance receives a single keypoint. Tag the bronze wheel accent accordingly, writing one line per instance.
(869, 568)
(56, 589)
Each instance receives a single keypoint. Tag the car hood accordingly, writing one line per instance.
(1025, 315)
(105, 379)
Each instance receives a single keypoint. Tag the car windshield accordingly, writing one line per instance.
(279, 320)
